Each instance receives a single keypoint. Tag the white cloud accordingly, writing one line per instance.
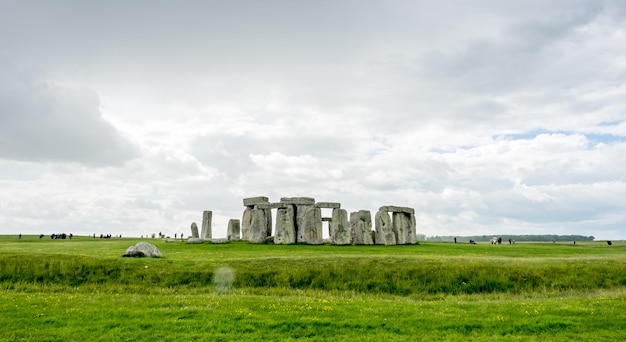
(486, 117)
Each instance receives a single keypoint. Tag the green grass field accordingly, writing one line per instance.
(82, 289)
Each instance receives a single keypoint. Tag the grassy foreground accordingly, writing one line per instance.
(82, 289)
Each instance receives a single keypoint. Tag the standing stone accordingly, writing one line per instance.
(234, 230)
(285, 226)
(401, 228)
(339, 228)
(258, 226)
(206, 232)
(246, 220)
(384, 231)
(361, 227)
(194, 230)
(311, 226)
(300, 214)
(412, 238)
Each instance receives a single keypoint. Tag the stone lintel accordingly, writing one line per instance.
(328, 205)
(252, 201)
(266, 206)
(327, 219)
(397, 209)
(298, 200)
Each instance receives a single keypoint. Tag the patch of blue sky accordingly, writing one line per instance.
(603, 138)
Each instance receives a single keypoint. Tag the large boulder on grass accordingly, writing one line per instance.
(143, 249)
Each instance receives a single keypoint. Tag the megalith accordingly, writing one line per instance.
(311, 226)
(285, 225)
(234, 230)
(194, 230)
(143, 249)
(384, 230)
(339, 228)
(206, 232)
(258, 226)
(361, 227)
(246, 220)
(401, 227)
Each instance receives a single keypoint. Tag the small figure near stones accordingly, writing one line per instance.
(608, 242)
(20, 236)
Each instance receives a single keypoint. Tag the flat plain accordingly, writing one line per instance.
(82, 289)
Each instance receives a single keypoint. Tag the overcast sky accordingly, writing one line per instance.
(487, 117)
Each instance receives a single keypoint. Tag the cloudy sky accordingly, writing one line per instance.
(487, 117)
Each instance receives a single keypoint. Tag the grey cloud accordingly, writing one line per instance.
(46, 122)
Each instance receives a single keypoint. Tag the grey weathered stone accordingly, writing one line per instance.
(298, 200)
(258, 226)
(361, 227)
(219, 240)
(327, 219)
(234, 230)
(312, 228)
(194, 230)
(276, 205)
(285, 226)
(401, 226)
(246, 220)
(412, 238)
(195, 240)
(300, 212)
(206, 232)
(339, 228)
(269, 239)
(397, 209)
(384, 230)
(143, 249)
(252, 201)
(328, 205)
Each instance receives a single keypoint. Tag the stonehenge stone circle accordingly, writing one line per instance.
(300, 220)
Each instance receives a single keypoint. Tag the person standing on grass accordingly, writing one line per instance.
(20, 236)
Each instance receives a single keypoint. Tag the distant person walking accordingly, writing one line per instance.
(20, 236)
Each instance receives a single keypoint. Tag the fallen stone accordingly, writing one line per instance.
(143, 249)
(269, 239)
(220, 240)
(195, 240)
